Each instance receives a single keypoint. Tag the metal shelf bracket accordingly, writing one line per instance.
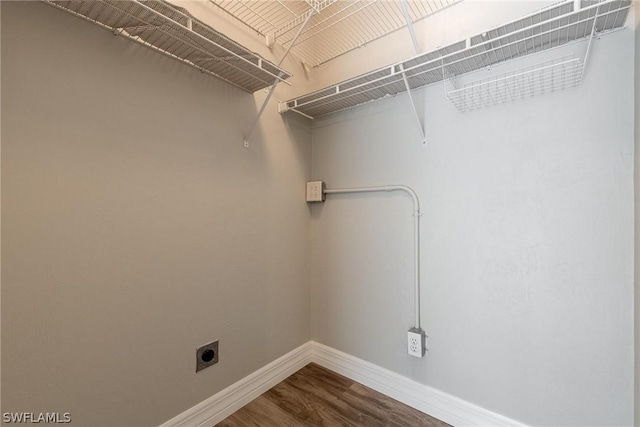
(245, 141)
(413, 106)
(414, 40)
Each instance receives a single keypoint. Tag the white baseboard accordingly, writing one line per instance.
(443, 406)
(226, 402)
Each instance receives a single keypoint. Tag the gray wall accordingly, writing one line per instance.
(136, 227)
(527, 244)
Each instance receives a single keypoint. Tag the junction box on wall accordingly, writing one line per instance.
(316, 191)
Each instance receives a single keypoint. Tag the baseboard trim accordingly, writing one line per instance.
(226, 402)
(443, 406)
(429, 400)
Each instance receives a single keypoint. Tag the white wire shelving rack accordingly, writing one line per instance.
(338, 27)
(173, 31)
(540, 79)
(560, 24)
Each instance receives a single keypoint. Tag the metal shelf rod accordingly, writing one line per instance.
(414, 40)
(412, 32)
(593, 32)
(245, 142)
(414, 109)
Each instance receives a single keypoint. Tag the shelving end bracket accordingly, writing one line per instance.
(282, 107)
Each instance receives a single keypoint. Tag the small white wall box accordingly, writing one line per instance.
(315, 191)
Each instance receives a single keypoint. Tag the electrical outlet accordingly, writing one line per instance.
(206, 355)
(315, 191)
(416, 342)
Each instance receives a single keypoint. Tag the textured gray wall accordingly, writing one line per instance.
(136, 227)
(527, 243)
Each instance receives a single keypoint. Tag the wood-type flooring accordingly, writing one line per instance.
(315, 396)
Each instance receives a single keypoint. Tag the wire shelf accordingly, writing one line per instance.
(172, 31)
(337, 27)
(350, 24)
(555, 26)
(551, 76)
(263, 17)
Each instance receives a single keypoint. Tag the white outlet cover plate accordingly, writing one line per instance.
(416, 342)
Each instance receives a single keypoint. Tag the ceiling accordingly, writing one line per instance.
(338, 27)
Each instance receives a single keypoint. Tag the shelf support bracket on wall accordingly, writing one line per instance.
(588, 51)
(407, 18)
(413, 105)
(275, 83)
(414, 40)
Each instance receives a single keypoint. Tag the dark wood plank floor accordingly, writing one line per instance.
(315, 396)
